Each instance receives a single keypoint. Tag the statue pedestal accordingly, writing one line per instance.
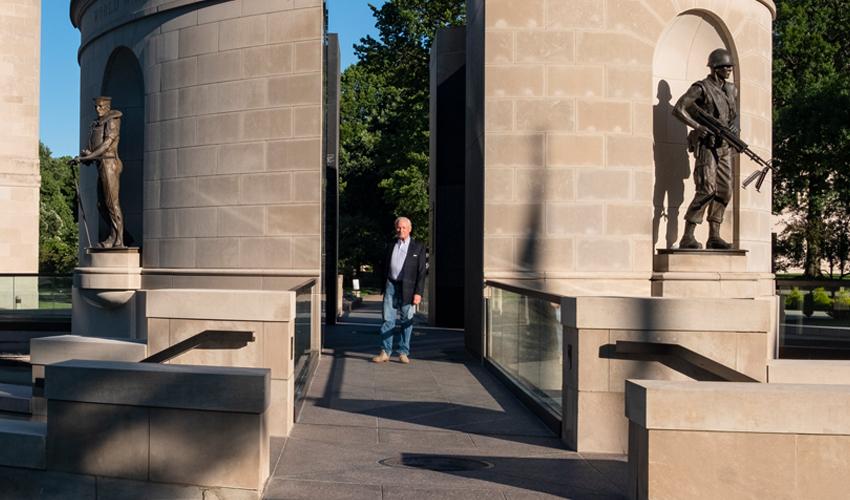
(104, 293)
(111, 269)
(707, 273)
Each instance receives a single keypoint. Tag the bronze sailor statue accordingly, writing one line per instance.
(102, 150)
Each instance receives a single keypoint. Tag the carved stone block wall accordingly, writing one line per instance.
(571, 172)
(20, 47)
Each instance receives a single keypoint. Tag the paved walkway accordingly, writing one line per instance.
(443, 405)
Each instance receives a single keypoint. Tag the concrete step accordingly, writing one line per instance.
(694, 261)
(15, 398)
(22, 443)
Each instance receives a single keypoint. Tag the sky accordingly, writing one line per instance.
(60, 72)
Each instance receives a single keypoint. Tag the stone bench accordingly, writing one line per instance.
(47, 350)
(172, 424)
(709, 440)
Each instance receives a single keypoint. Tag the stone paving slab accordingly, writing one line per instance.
(358, 413)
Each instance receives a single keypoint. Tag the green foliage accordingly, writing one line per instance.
(57, 221)
(384, 135)
(842, 299)
(812, 132)
(794, 300)
(821, 299)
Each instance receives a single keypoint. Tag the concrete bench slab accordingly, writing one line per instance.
(47, 350)
(212, 388)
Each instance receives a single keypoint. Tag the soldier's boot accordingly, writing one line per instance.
(715, 242)
(688, 241)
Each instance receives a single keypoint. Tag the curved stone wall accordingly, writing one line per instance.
(20, 47)
(231, 163)
(570, 166)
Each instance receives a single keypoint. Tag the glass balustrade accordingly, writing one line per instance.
(302, 344)
(34, 294)
(525, 339)
(814, 320)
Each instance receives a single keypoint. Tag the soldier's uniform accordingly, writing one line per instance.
(713, 170)
(103, 147)
(713, 97)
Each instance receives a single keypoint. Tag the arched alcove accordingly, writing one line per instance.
(123, 81)
(680, 60)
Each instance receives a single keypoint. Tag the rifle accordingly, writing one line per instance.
(722, 131)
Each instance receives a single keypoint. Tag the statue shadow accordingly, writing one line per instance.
(672, 166)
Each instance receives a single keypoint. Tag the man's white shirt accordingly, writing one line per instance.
(399, 254)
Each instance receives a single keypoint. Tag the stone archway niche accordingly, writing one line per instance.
(679, 61)
(123, 81)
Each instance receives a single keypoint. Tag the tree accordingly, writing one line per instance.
(384, 127)
(58, 232)
(811, 126)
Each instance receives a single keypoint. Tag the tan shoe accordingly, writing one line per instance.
(381, 358)
(404, 359)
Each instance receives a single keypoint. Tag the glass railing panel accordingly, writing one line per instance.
(814, 319)
(7, 293)
(503, 331)
(34, 294)
(524, 339)
(54, 292)
(302, 344)
(549, 357)
(303, 327)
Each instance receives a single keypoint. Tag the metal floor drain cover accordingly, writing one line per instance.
(436, 463)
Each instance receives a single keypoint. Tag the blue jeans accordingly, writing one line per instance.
(392, 305)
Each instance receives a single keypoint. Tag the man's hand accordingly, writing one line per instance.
(703, 131)
(416, 299)
(74, 161)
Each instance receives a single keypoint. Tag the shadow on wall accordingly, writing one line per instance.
(672, 166)
(531, 187)
(529, 257)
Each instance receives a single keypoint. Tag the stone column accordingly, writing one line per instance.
(19, 173)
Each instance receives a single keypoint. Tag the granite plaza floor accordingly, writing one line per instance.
(443, 404)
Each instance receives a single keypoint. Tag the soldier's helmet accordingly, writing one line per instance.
(720, 57)
(102, 99)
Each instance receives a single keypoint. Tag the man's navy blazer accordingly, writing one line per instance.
(412, 276)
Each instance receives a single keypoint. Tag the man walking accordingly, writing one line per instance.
(717, 97)
(403, 287)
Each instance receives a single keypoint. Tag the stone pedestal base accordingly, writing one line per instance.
(708, 273)
(110, 269)
(104, 293)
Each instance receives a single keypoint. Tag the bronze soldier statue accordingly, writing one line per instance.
(716, 97)
(102, 149)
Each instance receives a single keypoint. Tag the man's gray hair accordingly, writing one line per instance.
(399, 219)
